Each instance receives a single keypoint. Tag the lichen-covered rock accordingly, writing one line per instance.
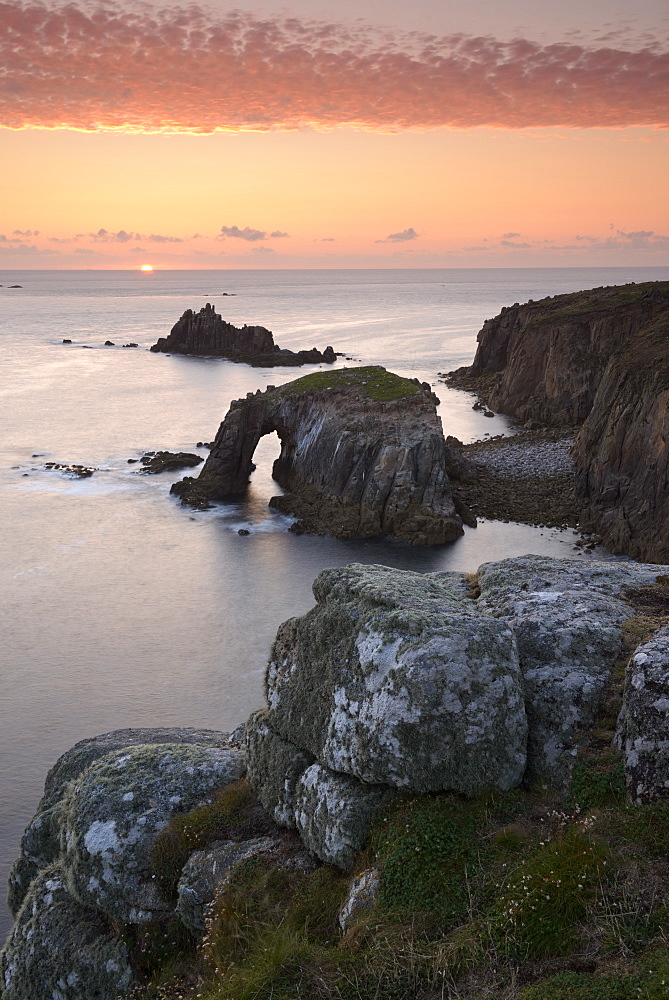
(568, 625)
(274, 767)
(40, 845)
(334, 814)
(207, 872)
(643, 725)
(113, 812)
(394, 678)
(362, 895)
(61, 950)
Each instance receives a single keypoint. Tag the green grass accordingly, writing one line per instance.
(373, 382)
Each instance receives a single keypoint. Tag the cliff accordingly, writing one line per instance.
(431, 796)
(205, 333)
(599, 359)
(362, 454)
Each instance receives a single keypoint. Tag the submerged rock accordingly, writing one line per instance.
(362, 454)
(206, 333)
(60, 949)
(167, 461)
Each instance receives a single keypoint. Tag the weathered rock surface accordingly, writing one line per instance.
(568, 626)
(643, 724)
(362, 454)
(362, 895)
(334, 813)
(207, 334)
(40, 845)
(274, 766)
(207, 872)
(395, 679)
(62, 950)
(113, 812)
(424, 682)
(598, 359)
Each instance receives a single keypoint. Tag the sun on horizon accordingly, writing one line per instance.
(146, 267)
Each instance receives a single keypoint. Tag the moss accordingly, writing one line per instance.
(432, 850)
(598, 780)
(372, 382)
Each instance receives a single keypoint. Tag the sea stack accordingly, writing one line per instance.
(206, 333)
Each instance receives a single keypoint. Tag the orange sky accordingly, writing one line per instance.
(193, 138)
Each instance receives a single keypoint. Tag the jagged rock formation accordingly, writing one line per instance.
(207, 334)
(600, 359)
(362, 454)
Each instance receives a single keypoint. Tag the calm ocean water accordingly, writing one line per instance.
(122, 608)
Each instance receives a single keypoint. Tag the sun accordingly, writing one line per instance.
(146, 267)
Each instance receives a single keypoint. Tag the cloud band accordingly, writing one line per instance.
(186, 70)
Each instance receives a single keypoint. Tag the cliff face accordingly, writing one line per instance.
(545, 360)
(601, 359)
(362, 454)
(205, 333)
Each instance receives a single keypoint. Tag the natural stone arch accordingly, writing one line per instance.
(362, 454)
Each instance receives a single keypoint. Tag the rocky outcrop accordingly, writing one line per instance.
(407, 682)
(205, 333)
(41, 842)
(643, 724)
(362, 454)
(396, 682)
(598, 359)
(61, 949)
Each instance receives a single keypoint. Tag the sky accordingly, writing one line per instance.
(433, 133)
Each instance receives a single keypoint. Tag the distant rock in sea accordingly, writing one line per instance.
(205, 333)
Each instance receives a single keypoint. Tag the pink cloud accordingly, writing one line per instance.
(181, 69)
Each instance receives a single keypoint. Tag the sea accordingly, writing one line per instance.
(120, 606)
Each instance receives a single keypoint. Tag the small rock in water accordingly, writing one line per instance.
(163, 461)
(109, 343)
(67, 341)
(243, 531)
(131, 345)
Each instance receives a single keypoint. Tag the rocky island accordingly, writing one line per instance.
(362, 454)
(457, 778)
(599, 360)
(206, 333)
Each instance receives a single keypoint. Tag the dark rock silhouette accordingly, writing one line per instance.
(600, 359)
(362, 454)
(205, 333)
(166, 461)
